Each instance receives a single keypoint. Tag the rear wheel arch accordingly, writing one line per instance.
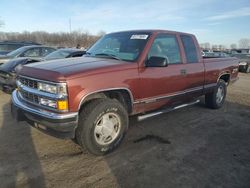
(225, 77)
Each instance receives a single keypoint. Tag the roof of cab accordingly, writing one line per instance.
(153, 31)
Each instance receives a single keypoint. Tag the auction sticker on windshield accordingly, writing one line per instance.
(143, 37)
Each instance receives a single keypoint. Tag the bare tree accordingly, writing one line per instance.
(233, 46)
(101, 33)
(244, 43)
(207, 45)
(214, 47)
(221, 47)
(61, 39)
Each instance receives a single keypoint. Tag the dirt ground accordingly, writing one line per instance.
(191, 147)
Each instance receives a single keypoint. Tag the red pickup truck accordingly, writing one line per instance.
(90, 98)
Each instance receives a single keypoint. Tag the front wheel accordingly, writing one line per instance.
(216, 99)
(245, 68)
(102, 126)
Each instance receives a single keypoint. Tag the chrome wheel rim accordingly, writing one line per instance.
(107, 128)
(219, 95)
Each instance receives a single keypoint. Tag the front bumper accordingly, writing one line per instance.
(54, 124)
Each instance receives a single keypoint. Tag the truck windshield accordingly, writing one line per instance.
(126, 46)
(17, 51)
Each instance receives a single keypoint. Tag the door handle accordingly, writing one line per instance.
(183, 71)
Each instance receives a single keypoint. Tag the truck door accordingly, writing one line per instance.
(193, 67)
(162, 85)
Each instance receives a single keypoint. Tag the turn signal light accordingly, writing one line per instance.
(62, 105)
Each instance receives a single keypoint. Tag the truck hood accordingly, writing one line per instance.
(62, 69)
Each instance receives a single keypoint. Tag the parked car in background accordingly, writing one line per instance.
(8, 46)
(8, 69)
(65, 53)
(27, 51)
(8, 72)
(214, 54)
(244, 64)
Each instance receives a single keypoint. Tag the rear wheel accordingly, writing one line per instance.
(244, 68)
(102, 126)
(248, 68)
(216, 98)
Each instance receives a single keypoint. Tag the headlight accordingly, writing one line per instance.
(59, 89)
(47, 88)
(62, 89)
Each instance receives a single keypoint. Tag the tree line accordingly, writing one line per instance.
(85, 39)
(59, 39)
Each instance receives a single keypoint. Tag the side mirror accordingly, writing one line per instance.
(155, 61)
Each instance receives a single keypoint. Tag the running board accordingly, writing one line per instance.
(156, 113)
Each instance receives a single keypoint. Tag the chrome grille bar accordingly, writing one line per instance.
(28, 82)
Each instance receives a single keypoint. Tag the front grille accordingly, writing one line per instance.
(28, 82)
(29, 96)
(28, 92)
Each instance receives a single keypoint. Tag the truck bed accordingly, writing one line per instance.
(219, 66)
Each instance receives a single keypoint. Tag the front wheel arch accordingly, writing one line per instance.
(123, 95)
(87, 122)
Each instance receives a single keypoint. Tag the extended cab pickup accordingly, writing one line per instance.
(90, 98)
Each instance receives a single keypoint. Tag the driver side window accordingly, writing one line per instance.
(166, 46)
(35, 52)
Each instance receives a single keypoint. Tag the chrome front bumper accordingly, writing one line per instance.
(55, 124)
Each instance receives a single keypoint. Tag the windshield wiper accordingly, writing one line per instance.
(109, 55)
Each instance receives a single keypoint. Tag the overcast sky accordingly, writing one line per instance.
(214, 21)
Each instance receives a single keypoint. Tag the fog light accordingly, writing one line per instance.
(48, 102)
(62, 105)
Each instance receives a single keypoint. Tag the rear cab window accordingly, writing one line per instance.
(189, 48)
